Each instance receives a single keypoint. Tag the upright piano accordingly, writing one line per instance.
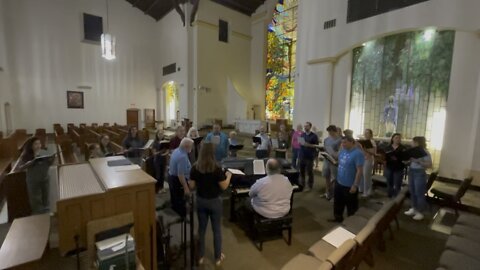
(240, 184)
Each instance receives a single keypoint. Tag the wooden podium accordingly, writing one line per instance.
(93, 191)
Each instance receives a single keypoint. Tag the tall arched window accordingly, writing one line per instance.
(281, 60)
(171, 98)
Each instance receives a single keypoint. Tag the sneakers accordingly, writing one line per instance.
(418, 216)
(410, 212)
(219, 261)
(201, 261)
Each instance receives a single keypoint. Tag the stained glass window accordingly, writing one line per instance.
(400, 84)
(281, 65)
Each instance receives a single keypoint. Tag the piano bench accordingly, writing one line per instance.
(270, 228)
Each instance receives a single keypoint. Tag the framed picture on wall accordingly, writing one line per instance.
(74, 100)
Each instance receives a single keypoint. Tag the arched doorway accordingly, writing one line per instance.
(172, 108)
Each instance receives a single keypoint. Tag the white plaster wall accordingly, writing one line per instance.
(46, 58)
(342, 76)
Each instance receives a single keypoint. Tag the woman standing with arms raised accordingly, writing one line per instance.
(209, 180)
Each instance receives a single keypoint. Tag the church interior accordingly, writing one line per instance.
(240, 134)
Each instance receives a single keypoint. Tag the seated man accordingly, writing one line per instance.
(270, 195)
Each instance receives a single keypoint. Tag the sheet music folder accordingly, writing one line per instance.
(338, 236)
(329, 158)
(258, 167)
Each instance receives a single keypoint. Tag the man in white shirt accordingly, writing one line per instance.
(263, 148)
(270, 195)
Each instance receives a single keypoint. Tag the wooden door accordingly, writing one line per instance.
(149, 115)
(132, 117)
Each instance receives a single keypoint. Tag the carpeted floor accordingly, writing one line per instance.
(414, 247)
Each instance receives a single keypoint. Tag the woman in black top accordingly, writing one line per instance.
(210, 181)
(132, 143)
(37, 178)
(160, 152)
(395, 168)
(106, 146)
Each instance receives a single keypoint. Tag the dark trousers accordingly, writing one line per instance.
(306, 167)
(177, 196)
(210, 209)
(260, 154)
(343, 198)
(295, 153)
(394, 181)
(159, 167)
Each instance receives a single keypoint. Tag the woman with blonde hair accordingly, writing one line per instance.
(209, 180)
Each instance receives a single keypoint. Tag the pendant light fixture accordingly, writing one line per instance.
(108, 42)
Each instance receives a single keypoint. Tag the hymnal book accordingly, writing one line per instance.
(329, 158)
(39, 159)
(366, 144)
(258, 167)
(119, 162)
(235, 171)
(301, 140)
(275, 143)
(338, 236)
(164, 145)
(257, 140)
(215, 139)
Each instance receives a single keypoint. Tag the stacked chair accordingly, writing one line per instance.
(369, 225)
(462, 249)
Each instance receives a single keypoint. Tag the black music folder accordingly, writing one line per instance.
(257, 140)
(366, 144)
(329, 158)
(414, 152)
(197, 140)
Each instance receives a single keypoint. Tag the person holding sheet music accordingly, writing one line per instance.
(178, 175)
(193, 134)
(283, 142)
(105, 146)
(369, 148)
(179, 135)
(132, 144)
(395, 168)
(264, 145)
(234, 144)
(160, 151)
(36, 162)
(417, 178)
(308, 142)
(220, 140)
(296, 145)
(210, 181)
(350, 171)
(329, 171)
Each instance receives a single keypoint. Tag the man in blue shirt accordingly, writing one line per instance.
(329, 171)
(308, 143)
(178, 175)
(220, 140)
(350, 171)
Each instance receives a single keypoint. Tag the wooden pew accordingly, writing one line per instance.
(114, 136)
(66, 154)
(25, 242)
(7, 152)
(16, 193)
(19, 137)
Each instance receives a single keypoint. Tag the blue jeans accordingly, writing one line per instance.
(295, 153)
(417, 185)
(210, 208)
(394, 181)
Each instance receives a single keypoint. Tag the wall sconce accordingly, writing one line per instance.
(204, 88)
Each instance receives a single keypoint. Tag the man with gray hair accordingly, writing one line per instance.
(270, 195)
(178, 175)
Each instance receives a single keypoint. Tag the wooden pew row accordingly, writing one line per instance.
(114, 136)
(66, 154)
